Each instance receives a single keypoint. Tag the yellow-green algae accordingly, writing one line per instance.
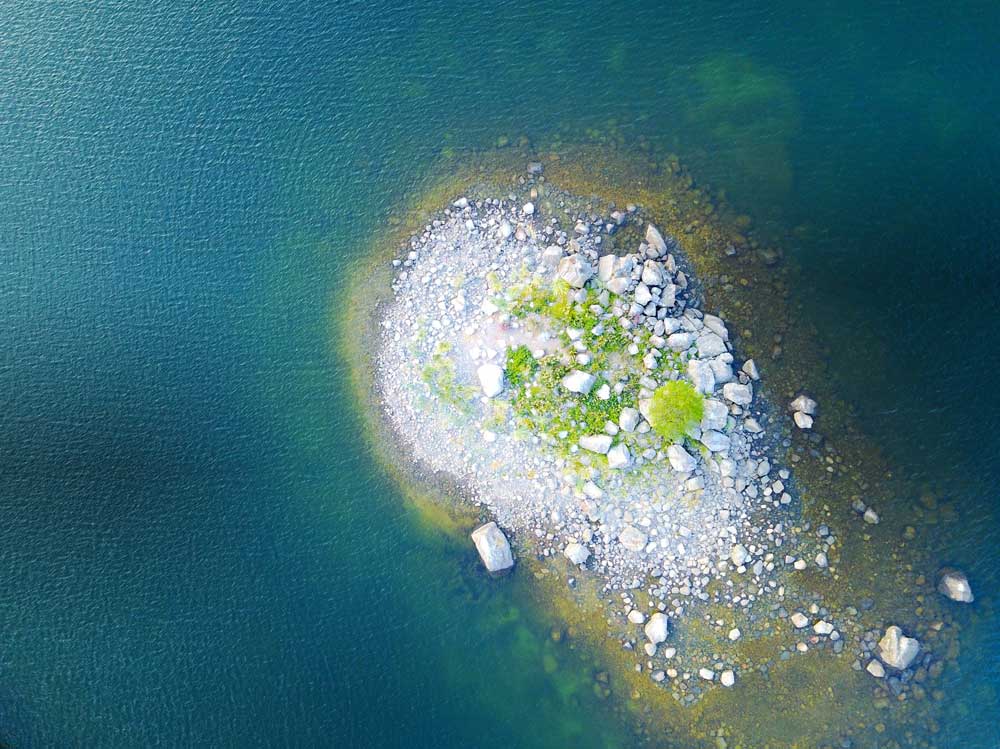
(810, 700)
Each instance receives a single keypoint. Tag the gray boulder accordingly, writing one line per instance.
(575, 270)
(493, 547)
(896, 649)
(954, 584)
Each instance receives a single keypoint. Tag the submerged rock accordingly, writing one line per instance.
(577, 553)
(493, 547)
(896, 649)
(953, 584)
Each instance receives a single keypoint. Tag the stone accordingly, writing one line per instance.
(528, 209)
(653, 273)
(709, 345)
(596, 443)
(461, 203)
(876, 669)
(642, 295)
(707, 674)
(871, 517)
(680, 459)
(701, 375)
(750, 368)
(680, 341)
(804, 404)
(577, 553)
(736, 393)
(619, 285)
(896, 650)
(953, 584)
(606, 268)
(578, 382)
(490, 379)
(715, 415)
(727, 678)
(715, 441)
(735, 634)
(822, 627)
(655, 240)
(657, 628)
(802, 420)
(493, 547)
(628, 419)
(636, 617)
(619, 457)
(632, 538)
(575, 270)
(799, 619)
(739, 555)
(551, 256)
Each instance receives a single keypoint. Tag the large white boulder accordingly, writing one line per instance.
(490, 379)
(954, 584)
(736, 393)
(655, 240)
(653, 273)
(493, 547)
(596, 443)
(575, 270)
(657, 628)
(619, 457)
(715, 415)
(715, 441)
(632, 538)
(896, 649)
(710, 344)
(701, 375)
(578, 382)
(577, 553)
(680, 459)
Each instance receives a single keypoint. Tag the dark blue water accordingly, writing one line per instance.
(195, 546)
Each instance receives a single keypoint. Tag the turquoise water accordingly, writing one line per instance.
(197, 548)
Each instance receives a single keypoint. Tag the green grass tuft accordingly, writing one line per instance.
(521, 366)
(676, 407)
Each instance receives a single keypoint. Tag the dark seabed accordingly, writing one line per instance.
(197, 548)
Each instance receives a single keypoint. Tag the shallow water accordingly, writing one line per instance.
(198, 548)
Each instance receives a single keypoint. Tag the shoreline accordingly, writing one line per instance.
(709, 705)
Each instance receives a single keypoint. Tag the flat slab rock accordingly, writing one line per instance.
(493, 547)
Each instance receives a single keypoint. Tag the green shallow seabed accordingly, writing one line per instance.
(810, 700)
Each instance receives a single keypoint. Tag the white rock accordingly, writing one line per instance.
(802, 420)
(604, 392)
(804, 404)
(680, 459)
(679, 341)
(636, 617)
(551, 256)
(701, 375)
(736, 393)
(619, 457)
(578, 382)
(735, 634)
(871, 517)
(715, 441)
(799, 619)
(592, 490)
(577, 553)
(657, 628)
(709, 345)
(491, 379)
(715, 415)
(738, 555)
(727, 678)
(654, 239)
(575, 270)
(642, 295)
(954, 584)
(461, 203)
(632, 538)
(707, 674)
(628, 419)
(606, 268)
(822, 627)
(596, 443)
(876, 669)
(493, 547)
(722, 370)
(528, 209)
(896, 649)
(750, 368)
(653, 273)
